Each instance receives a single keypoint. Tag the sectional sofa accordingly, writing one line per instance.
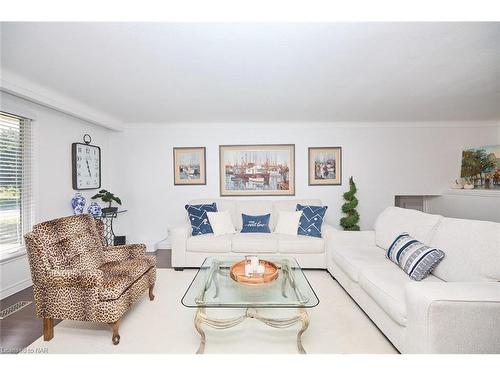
(456, 309)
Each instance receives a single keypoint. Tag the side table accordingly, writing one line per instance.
(107, 219)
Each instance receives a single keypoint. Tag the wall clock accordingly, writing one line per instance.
(86, 161)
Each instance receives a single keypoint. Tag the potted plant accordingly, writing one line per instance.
(108, 197)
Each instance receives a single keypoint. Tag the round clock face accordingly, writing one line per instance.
(87, 164)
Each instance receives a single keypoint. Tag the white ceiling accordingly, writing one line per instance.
(160, 72)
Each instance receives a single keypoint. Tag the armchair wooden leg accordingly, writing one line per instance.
(48, 329)
(116, 336)
(151, 295)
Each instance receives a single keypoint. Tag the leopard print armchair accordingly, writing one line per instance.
(76, 276)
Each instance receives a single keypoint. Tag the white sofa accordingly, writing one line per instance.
(454, 310)
(190, 251)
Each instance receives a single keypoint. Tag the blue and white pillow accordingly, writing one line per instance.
(198, 217)
(311, 220)
(255, 224)
(414, 257)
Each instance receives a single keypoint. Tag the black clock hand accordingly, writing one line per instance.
(88, 168)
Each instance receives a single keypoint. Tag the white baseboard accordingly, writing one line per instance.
(14, 288)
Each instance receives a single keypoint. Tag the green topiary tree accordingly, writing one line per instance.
(350, 222)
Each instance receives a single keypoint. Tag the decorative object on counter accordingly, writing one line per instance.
(107, 197)
(325, 165)
(481, 167)
(78, 203)
(86, 165)
(350, 222)
(94, 209)
(266, 271)
(458, 184)
(257, 170)
(190, 166)
(469, 183)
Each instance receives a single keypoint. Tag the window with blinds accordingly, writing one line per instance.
(16, 198)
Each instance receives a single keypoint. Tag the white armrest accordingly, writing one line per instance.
(178, 238)
(327, 231)
(352, 238)
(453, 317)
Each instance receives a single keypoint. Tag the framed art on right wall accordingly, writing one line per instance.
(325, 165)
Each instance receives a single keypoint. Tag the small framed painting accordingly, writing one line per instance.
(257, 170)
(325, 165)
(190, 166)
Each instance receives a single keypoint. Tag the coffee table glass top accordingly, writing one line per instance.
(213, 286)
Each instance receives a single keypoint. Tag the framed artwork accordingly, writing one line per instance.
(190, 166)
(325, 165)
(257, 170)
(481, 167)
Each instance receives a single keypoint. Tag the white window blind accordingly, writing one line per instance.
(16, 189)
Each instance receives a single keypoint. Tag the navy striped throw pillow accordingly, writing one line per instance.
(414, 257)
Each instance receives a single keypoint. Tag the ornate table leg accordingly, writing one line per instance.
(202, 318)
(198, 320)
(305, 324)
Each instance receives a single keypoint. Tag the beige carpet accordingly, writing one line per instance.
(165, 326)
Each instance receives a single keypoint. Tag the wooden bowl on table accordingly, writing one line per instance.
(271, 273)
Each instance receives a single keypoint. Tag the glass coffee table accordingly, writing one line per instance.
(213, 287)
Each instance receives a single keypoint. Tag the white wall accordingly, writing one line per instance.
(385, 160)
(464, 204)
(54, 134)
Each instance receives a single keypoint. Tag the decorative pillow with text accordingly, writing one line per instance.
(256, 224)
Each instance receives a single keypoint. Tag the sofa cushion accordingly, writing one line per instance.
(208, 243)
(415, 258)
(472, 249)
(256, 224)
(254, 207)
(352, 259)
(255, 243)
(386, 284)
(290, 205)
(288, 222)
(394, 221)
(222, 205)
(221, 223)
(288, 244)
(119, 275)
(197, 214)
(311, 220)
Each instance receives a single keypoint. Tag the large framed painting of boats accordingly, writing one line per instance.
(325, 166)
(257, 170)
(189, 166)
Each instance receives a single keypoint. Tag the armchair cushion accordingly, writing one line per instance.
(119, 275)
(71, 242)
(123, 252)
(75, 278)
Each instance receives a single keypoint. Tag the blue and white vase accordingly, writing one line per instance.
(78, 203)
(94, 209)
